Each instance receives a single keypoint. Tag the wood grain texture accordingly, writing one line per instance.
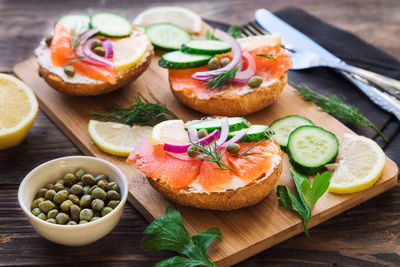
(367, 235)
(250, 230)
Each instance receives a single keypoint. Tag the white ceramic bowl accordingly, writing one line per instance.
(49, 172)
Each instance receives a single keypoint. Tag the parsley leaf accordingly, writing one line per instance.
(210, 36)
(235, 31)
(307, 194)
(169, 233)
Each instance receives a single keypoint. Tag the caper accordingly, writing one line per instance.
(102, 184)
(36, 211)
(83, 221)
(75, 210)
(101, 177)
(66, 205)
(36, 202)
(58, 187)
(97, 204)
(69, 179)
(48, 39)
(106, 211)
(99, 193)
(41, 193)
(113, 195)
(233, 148)
(59, 181)
(71, 223)
(85, 201)
(113, 186)
(213, 64)
(80, 183)
(60, 196)
(69, 70)
(62, 218)
(86, 214)
(88, 179)
(42, 216)
(255, 81)
(76, 189)
(224, 61)
(202, 133)
(86, 189)
(51, 220)
(79, 173)
(92, 188)
(113, 203)
(46, 206)
(52, 214)
(74, 199)
(49, 186)
(99, 51)
(50, 194)
(192, 151)
(94, 219)
(95, 43)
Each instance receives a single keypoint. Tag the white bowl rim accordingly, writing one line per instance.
(77, 226)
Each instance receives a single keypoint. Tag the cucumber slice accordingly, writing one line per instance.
(179, 60)
(284, 126)
(167, 36)
(310, 148)
(111, 24)
(207, 47)
(76, 22)
(254, 134)
(235, 124)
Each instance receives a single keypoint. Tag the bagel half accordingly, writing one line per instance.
(230, 199)
(231, 104)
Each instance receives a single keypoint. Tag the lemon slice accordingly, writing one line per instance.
(129, 51)
(253, 42)
(171, 131)
(18, 109)
(359, 165)
(179, 16)
(116, 138)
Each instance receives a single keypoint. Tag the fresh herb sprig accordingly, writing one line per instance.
(307, 194)
(247, 151)
(212, 152)
(218, 81)
(210, 36)
(335, 105)
(269, 56)
(140, 112)
(169, 233)
(235, 31)
(75, 39)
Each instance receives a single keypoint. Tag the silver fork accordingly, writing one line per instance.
(299, 59)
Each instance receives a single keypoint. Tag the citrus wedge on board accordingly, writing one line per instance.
(116, 138)
(360, 163)
(171, 131)
(129, 51)
(179, 16)
(18, 109)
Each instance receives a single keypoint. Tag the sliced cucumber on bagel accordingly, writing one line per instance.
(76, 22)
(254, 134)
(206, 47)
(111, 24)
(167, 36)
(235, 124)
(179, 60)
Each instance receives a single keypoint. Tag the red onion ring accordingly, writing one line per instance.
(236, 138)
(224, 131)
(107, 45)
(245, 75)
(87, 50)
(175, 148)
(193, 137)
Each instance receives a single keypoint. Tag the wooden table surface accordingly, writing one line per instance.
(365, 235)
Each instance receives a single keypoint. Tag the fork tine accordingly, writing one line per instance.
(247, 32)
(258, 28)
(251, 29)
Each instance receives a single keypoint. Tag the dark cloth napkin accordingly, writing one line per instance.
(354, 51)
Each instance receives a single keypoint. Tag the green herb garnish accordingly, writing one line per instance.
(307, 194)
(336, 106)
(218, 81)
(212, 152)
(269, 56)
(235, 31)
(210, 36)
(247, 151)
(169, 233)
(140, 112)
(75, 39)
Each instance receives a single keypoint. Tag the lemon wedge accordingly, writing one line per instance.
(129, 51)
(116, 138)
(179, 16)
(253, 42)
(171, 131)
(18, 109)
(359, 165)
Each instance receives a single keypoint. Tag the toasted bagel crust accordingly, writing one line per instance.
(231, 199)
(123, 78)
(233, 104)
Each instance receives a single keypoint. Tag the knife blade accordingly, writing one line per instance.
(299, 41)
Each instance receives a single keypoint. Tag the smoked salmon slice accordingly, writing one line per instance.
(213, 179)
(62, 54)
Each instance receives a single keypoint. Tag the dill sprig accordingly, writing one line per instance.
(212, 152)
(335, 105)
(247, 151)
(75, 39)
(269, 56)
(140, 112)
(218, 81)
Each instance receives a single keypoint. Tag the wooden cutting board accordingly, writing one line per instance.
(245, 232)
